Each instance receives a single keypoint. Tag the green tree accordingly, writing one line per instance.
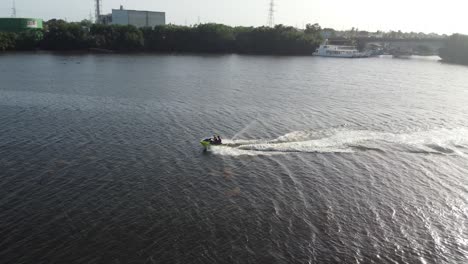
(214, 38)
(456, 49)
(60, 35)
(29, 40)
(7, 41)
(281, 40)
(116, 37)
(313, 29)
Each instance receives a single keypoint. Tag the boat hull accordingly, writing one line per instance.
(205, 144)
(349, 56)
(337, 51)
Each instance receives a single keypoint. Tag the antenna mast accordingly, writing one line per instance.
(98, 11)
(13, 14)
(271, 14)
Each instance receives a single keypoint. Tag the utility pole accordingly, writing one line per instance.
(271, 14)
(98, 11)
(13, 13)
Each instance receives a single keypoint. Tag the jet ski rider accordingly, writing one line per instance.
(216, 140)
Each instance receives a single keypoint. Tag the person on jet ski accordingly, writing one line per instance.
(216, 140)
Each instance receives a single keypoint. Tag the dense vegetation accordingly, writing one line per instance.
(206, 38)
(7, 41)
(456, 49)
(209, 38)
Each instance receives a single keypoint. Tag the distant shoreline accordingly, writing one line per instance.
(143, 52)
(59, 35)
(217, 39)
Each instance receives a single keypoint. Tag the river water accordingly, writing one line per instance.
(335, 160)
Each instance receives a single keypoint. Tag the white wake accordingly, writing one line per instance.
(343, 140)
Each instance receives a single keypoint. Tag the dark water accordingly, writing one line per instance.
(337, 161)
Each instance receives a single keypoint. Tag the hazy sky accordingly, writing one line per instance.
(447, 16)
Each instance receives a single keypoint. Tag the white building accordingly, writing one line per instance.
(135, 17)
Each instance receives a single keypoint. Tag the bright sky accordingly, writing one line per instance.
(440, 16)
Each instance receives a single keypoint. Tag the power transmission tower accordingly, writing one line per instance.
(13, 10)
(271, 14)
(98, 11)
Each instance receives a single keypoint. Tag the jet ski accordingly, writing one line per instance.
(214, 141)
(210, 142)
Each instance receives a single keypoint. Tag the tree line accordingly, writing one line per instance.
(456, 49)
(206, 38)
(59, 35)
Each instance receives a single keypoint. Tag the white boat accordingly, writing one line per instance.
(339, 51)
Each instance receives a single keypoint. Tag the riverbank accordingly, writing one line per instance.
(59, 35)
(204, 38)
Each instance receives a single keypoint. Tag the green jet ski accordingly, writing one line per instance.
(214, 141)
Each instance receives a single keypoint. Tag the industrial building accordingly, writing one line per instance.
(134, 17)
(20, 24)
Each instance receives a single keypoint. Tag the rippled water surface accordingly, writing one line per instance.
(330, 161)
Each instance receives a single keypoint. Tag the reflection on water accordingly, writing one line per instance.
(327, 161)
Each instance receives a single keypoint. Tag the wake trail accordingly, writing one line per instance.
(344, 140)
